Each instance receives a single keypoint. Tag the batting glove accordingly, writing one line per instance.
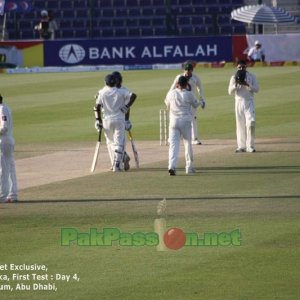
(124, 109)
(128, 125)
(202, 103)
(96, 96)
(98, 125)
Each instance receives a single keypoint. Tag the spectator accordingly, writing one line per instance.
(256, 53)
(53, 27)
(43, 26)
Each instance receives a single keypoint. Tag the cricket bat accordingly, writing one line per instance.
(134, 150)
(96, 154)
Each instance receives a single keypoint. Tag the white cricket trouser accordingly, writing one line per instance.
(8, 178)
(180, 128)
(111, 150)
(195, 125)
(114, 131)
(245, 124)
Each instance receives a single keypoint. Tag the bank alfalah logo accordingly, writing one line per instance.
(72, 53)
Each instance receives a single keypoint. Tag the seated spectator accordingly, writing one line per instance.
(256, 53)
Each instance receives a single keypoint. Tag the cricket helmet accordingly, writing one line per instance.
(189, 67)
(110, 80)
(118, 77)
(182, 80)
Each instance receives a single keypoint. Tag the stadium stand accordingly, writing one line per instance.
(132, 18)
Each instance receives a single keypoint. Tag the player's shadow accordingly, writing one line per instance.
(248, 169)
(226, 170)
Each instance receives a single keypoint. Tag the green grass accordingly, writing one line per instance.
(256, 193)
(58, 107)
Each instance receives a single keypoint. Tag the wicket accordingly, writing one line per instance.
(163, 126)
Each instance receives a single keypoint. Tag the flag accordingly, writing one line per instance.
(2, 4)
(21, 6)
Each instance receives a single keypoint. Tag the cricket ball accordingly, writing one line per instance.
(174, 238)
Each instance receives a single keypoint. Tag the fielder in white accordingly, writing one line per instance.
(243, 85)
(8, 180)
(194, 84)
(114, 103)
(180, 103)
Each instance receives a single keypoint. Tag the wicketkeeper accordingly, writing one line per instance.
(243, 85)
(194, 84)
(114, 104)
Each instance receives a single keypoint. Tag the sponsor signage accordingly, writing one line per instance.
(137, 51)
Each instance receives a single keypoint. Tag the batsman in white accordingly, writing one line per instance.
(8, 180)
(114, 103)
(194, 83)
(180, 103)
(128, 124)
(243, 85)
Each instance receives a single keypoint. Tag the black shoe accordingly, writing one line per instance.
(126, 160)
(172, 172)
(239, 150)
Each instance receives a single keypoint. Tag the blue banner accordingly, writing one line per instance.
(2, 4)
(137, 51)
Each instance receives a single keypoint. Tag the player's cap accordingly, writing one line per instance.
(257, 43)
(182, 81)
(44, 13)
(188, 67)
(110, 80)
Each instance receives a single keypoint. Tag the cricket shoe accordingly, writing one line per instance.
(172, 172)
(196, 142)
(126, 160)
(116, 167)
(240, 150)
(10, 200)
(251, 150)
(190, 171)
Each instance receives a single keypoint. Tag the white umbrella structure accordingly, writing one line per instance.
(262, 14)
